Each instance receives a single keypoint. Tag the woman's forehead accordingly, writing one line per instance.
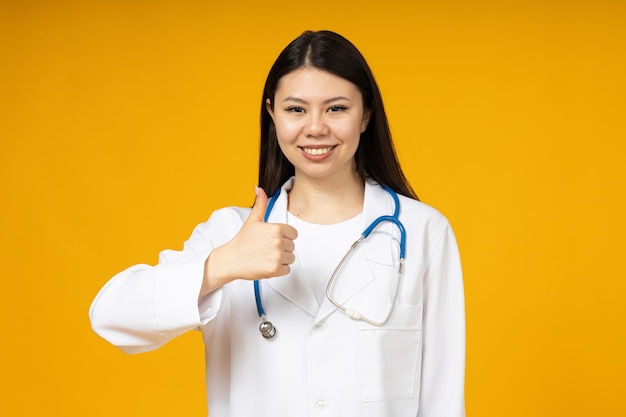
(315, 83)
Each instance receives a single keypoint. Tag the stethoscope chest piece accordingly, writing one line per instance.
(267, 329)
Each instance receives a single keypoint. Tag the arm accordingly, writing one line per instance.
(443, 369)
(145, 306)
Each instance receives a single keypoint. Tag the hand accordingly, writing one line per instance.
(259, 250)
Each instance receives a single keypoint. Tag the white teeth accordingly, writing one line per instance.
(317, 151)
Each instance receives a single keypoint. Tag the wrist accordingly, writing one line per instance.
(214, 274)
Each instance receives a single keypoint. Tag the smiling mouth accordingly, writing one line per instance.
(317, 151)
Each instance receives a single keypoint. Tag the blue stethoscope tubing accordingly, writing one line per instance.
(257, 290)
(268, 330)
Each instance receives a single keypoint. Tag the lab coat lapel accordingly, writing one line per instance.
(292, 286)
(373, 258)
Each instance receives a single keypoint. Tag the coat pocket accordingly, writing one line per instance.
(390, 356)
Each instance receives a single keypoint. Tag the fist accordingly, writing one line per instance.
(259, 250)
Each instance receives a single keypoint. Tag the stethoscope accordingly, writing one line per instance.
(268, 330)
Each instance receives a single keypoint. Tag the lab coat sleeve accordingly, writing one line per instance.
(144, 306)
(443, 369)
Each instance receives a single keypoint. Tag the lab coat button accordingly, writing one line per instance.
(320, 405)
(319, 327)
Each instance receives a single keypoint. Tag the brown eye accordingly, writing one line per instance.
(335, 109)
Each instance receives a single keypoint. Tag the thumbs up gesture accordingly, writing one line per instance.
(258, 250)
(268, 247)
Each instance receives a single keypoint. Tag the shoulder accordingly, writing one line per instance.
(418, 215)
(428, 231)
(230, 214)
(226, 218)
(222, 226)
(414, 214)
(419, 208)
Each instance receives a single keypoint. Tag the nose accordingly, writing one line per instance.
(316, 125)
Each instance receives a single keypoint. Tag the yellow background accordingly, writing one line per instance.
(123, 124)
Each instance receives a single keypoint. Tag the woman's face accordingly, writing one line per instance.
(319, 118)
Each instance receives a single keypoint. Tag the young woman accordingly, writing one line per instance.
(368, 335)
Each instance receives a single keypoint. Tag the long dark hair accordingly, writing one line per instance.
(328, 51)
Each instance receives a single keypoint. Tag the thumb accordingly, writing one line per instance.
(260, 206)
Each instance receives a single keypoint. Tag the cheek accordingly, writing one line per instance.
(286, 131)
(350, 132)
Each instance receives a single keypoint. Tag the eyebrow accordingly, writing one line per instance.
(330, 100)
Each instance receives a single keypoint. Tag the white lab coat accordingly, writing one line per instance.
(321, 362)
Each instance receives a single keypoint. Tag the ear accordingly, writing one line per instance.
(366, 119)
(268, 106)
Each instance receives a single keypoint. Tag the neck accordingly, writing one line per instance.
(326, 201)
